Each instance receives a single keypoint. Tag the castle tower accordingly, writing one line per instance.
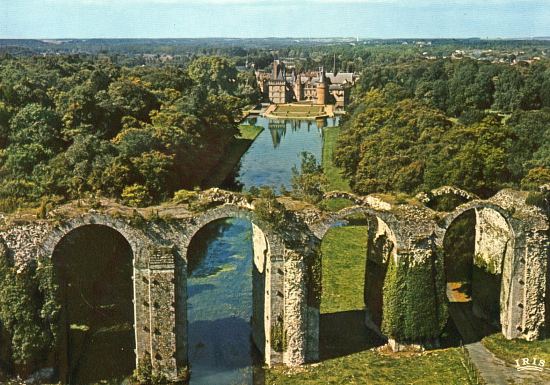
(298, 92)
(275, 72)
(322, 88)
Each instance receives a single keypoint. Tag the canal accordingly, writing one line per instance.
(221, 351)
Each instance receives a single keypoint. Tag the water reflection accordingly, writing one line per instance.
(276, 150)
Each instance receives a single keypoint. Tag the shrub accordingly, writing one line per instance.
(136, 195)
(184, 196)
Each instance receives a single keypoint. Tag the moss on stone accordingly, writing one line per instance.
(278, 336)
(414, 307)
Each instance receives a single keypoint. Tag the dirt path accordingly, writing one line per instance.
(492, 369)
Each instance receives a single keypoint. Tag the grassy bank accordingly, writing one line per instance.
(231, 158)
(333, 173)
(369, 367)
(511, 350)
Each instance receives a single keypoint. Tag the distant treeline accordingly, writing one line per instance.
(74, 126)
(480, 126)
(306, 53)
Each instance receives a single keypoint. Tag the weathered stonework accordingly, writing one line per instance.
(511, 238)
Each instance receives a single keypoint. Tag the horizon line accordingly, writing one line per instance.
(283, 37)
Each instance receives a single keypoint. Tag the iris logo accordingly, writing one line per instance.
(530, 364)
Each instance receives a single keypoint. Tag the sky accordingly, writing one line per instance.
(49, 19)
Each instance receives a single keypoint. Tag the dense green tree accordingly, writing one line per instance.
(309, 182)
(217, 74)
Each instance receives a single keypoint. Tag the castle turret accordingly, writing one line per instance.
(298, 91)
(322, 88)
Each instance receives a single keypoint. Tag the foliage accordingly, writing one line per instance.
(278, 336)
(335, 180)
(538, 199)
(73, 125)
(184, 196)
(535, 178)
(269, 210)
(136, 196)
(414, 312)
(409, 146)
(309, 182)
(28, 310)
(144, 375)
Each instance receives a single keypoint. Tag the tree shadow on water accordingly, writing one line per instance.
(345, 333)
(221, 351)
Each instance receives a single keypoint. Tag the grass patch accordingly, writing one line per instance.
(294, 110)
(335, 204)
(249, 132)
(369, 367)
(511, 350)
(344, 252)
(333, 173)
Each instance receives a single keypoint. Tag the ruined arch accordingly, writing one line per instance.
(381, 246)
(94, 269)
(145, 250)
(135, 238)
(495, 255)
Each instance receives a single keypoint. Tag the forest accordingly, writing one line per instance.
(478, 126)
(77, 126)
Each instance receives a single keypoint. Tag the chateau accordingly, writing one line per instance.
(286, 85)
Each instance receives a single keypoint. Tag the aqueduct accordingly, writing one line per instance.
(511, 236)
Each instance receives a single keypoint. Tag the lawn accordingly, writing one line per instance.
(371, 368)
(344, 252)
(511, 350)
(333, 173)
(299, 110)
(249, 132)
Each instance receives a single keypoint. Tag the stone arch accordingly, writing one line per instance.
(134, 237)
(455, 197)
(382, 244)
(143, 247)
(320, 228)
(497, 251)
(123, 312)
(268, 280)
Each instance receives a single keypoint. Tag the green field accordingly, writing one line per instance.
(343, 250)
